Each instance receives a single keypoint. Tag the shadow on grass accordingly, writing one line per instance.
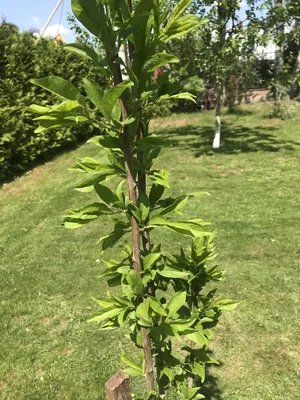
(211, 389)
(242, 112)
(235, 139)
(40, 160)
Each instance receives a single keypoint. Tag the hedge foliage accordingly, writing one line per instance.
(22, 59)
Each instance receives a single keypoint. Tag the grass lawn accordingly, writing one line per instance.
(48, 274)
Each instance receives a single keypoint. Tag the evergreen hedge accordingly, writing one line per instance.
(22, 59)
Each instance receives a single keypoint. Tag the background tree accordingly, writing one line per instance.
(221, 51)
(282, 25)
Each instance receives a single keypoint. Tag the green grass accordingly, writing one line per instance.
(48, 274)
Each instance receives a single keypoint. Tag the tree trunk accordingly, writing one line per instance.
(294, 90)
(279, 61)
(136, 242)
(217, 138)
(125, 58)
(219, 82)
(232, 92)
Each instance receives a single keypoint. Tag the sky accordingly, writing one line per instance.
(28, 14)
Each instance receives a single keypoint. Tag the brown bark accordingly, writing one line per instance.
(142, 189)
(147, 247)
(118, 387)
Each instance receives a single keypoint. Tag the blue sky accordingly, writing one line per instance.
(27, 14)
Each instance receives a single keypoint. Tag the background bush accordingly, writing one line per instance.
(21, 60)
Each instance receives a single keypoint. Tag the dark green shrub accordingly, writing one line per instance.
(21, 60)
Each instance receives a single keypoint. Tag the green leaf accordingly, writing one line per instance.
(180, 9)
(84, 51)
(179, 27)
(143, 204)
(139, 23)
(36, 109)
(177, 205)
(193, 227)
(156, 306)
(129, 361)
(152, 140)
(110, 263)
(168, 372)
(199, 370)
(150, 260)
(107, 142)
(89, 213)
(95, 94)
(156, 193)
(90, 13)
(104, 302)
(182, 96)
(150, 394)
(194, 395)
(60, 87)
(111, 239)
(112, 273)
(132, 372)
(66, 107)
(182, 325)
(228, 305)
(168, 330)
(136, 212)
(160, 59)
(91, 166)
(117, 113)
(176, 302)
(106, 314)
(160, 177)
(135, 282)
(142, 310)
(105, 193)
(119, 191)
(112, 95)
(51, 122)
(198, 338)
(169, 272)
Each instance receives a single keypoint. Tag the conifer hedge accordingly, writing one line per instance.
(21, 59)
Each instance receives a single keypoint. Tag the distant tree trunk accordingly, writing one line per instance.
(123, 52)
(232, 90)
(294, 89)
(279, 61)
(217, 138)
(219, 84)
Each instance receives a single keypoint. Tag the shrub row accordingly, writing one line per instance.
(21, 60)
(21, 148)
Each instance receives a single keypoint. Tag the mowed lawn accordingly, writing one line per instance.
(48, 274)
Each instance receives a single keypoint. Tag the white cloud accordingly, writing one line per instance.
(243, 3)
(36, 21)
(54, 30)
